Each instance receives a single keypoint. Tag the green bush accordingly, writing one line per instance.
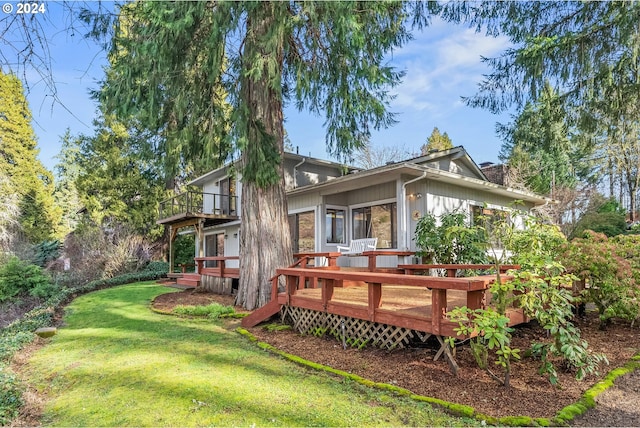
(212, 311)
(609, 275)
(608, 223)
(45, 252)
(184, 249)
(157, 266)
(19, 277)
(450, 241)
(10, 396)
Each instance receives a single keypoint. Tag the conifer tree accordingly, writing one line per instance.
(437, 142)
(28, 178)
(178, 67)
(587, 50)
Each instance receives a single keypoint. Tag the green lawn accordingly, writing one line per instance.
(117, 363)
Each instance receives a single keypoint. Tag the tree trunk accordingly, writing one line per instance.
(265, 241)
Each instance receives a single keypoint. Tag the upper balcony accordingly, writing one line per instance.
(189, 207)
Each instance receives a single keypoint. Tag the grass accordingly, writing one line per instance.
(117, 363)
(212, 311)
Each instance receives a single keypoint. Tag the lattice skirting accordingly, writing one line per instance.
(355, 333)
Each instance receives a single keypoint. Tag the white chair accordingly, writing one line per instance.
(359, 246)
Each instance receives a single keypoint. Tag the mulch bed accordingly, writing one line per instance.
(530, 394)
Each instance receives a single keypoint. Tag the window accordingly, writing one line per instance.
(488, 218)
(378, 221)
(213, 246)
(335, 222)
(303, 232)
(227, 201)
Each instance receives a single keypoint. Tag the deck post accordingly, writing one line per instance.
(274, 287)
(327, 292)
(292, 285)
(375, 296)
(475, 299)
(171, 238)
(221, 264)
(438, 308)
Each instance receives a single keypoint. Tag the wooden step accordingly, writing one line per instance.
(188, 282)
(261, 314)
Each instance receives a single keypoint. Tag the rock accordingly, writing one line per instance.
(46, 331)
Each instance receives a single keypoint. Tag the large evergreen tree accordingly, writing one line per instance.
(67, 171)
(28, 178)
(115, 182)
(587, 50)
(177, 66)
(542, 136)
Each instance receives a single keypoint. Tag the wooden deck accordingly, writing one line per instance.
(386, 308)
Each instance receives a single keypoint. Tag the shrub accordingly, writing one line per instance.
(20, 277)
(184, 249)
(212, 311)
(451, 241)
(45, 252)
(10, 396)
(157, 266)
(608, 223)
(95, 253)
(539, 288)
(610, 278)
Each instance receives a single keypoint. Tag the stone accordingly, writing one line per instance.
(46, 331)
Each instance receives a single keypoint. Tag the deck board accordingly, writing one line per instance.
(411, 301)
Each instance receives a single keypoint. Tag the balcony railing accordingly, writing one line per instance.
(195, 203)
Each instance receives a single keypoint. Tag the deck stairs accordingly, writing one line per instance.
(189, 280)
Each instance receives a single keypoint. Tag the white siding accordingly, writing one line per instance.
(373, 193)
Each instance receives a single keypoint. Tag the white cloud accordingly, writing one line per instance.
(442, 64)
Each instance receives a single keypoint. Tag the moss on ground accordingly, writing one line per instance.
(564, 416)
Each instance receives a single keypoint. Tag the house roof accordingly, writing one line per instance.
(223, 170)
(412, 170)
(457, 153)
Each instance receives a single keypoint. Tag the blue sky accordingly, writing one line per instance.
(441, 64)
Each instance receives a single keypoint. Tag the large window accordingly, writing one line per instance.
(213, 246)
(335, 225)
(303, 232)
(227, 201)
(488, 218)
(378, 221)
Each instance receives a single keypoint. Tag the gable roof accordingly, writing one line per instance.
(420, 166)
(458, 154)
(375, 176)
(224, 170)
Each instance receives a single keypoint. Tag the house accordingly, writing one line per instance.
(330, 204)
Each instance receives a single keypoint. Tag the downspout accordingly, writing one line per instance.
(403, 198)
(295, 172)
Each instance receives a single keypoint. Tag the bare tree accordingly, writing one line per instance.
(372, 156)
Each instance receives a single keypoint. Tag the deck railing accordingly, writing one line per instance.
(192, 202)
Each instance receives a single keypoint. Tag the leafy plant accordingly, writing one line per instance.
(540, 288)
(212, 311)
(490, 332)
(608, 223)
(10, 396)
(21, 277)
(549, 301)
(157, 266)
(450, 240)
(612, 283)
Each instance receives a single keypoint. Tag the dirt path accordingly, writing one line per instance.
(618, 406)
